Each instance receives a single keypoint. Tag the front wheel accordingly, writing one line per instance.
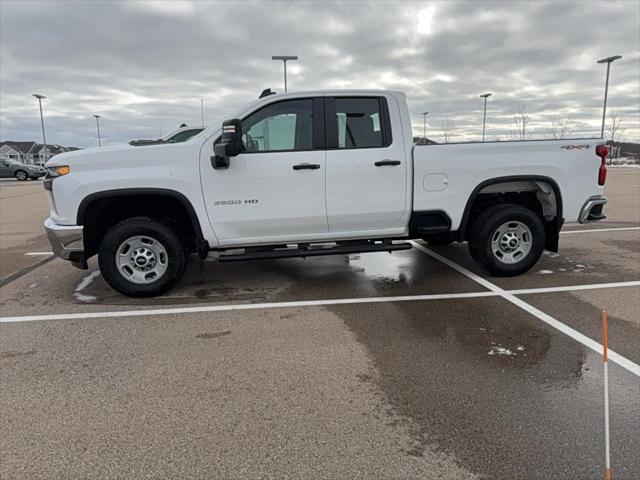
(140, 257)
(507, 240)
(21, 175)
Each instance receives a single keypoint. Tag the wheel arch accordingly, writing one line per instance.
(174, 197)
(552, 226)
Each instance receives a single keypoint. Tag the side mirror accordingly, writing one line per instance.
(230, 144)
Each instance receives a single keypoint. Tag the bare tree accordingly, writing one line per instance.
(614, 130)
(561, 130)
(448, 126)
(520, 121)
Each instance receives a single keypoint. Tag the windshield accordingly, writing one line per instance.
(183, 136)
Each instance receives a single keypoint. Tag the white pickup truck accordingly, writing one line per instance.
(315, 173)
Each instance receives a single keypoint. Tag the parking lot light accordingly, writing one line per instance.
(284, 58)
(98, 117)
(44, 138)
(484, 116)
(424, 126)
(608, 61)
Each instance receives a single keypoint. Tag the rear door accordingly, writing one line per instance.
(366, 164)
(275, 189)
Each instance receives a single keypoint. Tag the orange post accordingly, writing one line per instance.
(605, 359)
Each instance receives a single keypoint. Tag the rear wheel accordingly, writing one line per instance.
(507, 240)
(21, 175)
(140, 257)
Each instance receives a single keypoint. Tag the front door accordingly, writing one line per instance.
(367, 171)
(275, 189)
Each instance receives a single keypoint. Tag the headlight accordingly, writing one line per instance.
(58, 171)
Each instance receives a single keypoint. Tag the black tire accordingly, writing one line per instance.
(141, 226)
(439, 239)
(488, 223)
(21, 175)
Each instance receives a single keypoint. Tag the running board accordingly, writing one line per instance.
(313, 252)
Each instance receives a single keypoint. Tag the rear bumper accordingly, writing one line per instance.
(66, 241)
(592, 210)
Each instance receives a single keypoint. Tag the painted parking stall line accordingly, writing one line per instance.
(574, 288)
(308, 303)
(548, 319)
(597, 230)
(243, 306)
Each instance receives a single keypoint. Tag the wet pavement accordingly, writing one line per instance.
(395, 386)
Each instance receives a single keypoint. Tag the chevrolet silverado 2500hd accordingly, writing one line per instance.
(315, 173)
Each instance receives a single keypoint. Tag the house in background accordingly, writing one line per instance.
(30, 153)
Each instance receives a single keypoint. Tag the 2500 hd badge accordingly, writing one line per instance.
(235, 202)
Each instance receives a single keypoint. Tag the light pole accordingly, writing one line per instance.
(424, 127)
(484, 116)
(98, 117)
(608, 61)
(284, 58)
(44, 138)
(202, 111)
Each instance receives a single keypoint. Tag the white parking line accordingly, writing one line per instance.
(243, 306)
(573, 288)
(38, 254)
(593, 230)
(307, 303)
(548, 319)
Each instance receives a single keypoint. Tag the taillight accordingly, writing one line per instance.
(602, 151)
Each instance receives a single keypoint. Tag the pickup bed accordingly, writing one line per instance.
(315, 173)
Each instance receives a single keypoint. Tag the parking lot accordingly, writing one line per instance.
(409, 365)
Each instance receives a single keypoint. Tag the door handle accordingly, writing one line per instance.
(306, 166)
(390, 163)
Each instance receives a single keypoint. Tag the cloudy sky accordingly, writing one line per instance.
(144, 66)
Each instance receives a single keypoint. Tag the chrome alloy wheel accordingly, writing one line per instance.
(511, 242)
(141, 259)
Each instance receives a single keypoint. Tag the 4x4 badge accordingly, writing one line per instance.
(574, 147)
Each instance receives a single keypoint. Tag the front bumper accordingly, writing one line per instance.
(592, 210)
(66, 242)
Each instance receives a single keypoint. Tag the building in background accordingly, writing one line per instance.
(30, 153)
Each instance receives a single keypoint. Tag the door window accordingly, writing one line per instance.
(281, 126)
(359, 123)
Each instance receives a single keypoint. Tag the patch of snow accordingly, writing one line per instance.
(84, 283)
(33, 285)
(498, 350)
(520, 348)
(81, 297)
(545, 272)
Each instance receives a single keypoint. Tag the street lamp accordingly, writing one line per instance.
(98, 117)
(608, 61)
(284, 58)
(424, 127)
(44, 138)
(484, 116)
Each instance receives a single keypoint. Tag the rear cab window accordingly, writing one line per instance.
(358, 122)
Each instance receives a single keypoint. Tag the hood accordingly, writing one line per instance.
(78, 155)
(116, 155)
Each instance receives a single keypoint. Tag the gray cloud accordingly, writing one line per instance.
(145, 65)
